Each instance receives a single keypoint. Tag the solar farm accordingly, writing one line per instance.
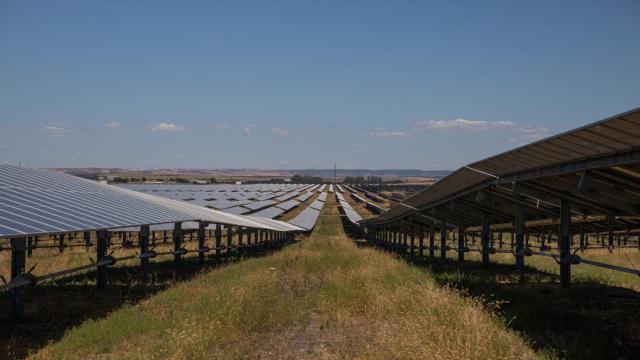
(530, 235)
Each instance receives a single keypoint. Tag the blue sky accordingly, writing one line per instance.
(304, 84)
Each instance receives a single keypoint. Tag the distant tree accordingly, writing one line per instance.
(120, 180)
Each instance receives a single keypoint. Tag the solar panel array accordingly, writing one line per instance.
(330, 188)
(317, 204)
(304, 197)
(258, 205)
(222, 196)
(269, 213)
(306, 219)
(266, 200)
(349, 212)
(34, 201)
(309, 216)
(288, 205)
(340, 188)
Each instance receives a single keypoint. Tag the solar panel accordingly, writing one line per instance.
(304, 197)
(269, 213)
(288, 205)
(351, 214)
(306, 219)
(259, 204)
(357, 197)
(317, 205)
(340, 197)
(322, 196)
(238, 210)
(265, 196)
(34, 201)
(287, 196)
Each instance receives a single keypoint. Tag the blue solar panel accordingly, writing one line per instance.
(288, 205)
(306, 219)
(37, 201)
(269, 213)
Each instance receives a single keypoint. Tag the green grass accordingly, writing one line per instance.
(321, 297)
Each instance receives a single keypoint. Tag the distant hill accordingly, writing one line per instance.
(435, 174)
(253, 173)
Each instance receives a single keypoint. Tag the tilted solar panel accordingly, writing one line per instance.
(34, 201)
(237, 210)
(306, 219)
(317, 205)
(269, 213)
(259, 204)
(288, 205)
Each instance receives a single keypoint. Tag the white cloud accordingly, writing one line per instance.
(220, 126)
(112, 125)
(163, 126)
(285, 162)
(246, 131)
(526, 131)
(389, 134)
(53, 129)
(280, 132)
(463, 124)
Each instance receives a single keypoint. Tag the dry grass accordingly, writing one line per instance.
(580, 273)
(321, 298)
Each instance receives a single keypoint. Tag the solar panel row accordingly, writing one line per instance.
(34, 201)
(306, 219)
(317, 204)
(269, 213)
(351, 214)
(288, 205)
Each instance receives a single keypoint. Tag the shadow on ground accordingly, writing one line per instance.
(588, 321)
(53, 308)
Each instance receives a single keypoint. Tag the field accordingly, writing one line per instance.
(324, 297)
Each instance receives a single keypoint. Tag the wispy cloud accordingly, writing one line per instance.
(279, 132)
(53, 129)
(112, 125)
(389, 134)
(246, 130)
(526, 131)
(163, 126)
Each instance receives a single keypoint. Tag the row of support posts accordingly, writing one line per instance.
(21, 247)
(388, 235)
